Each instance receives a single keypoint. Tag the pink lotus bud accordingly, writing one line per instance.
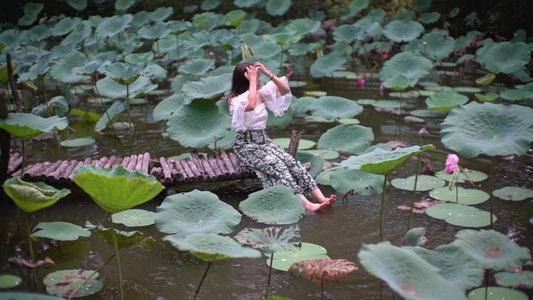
(382, 89)
(211, 53)
(360, 84)
(423, 131)
(368, 35)
(451, 163)
(38, 40)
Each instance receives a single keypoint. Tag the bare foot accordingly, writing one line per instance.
(316, 206)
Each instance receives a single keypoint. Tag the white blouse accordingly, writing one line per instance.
(256, 119)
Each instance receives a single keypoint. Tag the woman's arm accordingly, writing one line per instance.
(252, 76)
(282, 87)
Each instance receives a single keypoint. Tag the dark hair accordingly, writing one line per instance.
(239, 83)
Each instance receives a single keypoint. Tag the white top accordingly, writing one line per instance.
(256, 119)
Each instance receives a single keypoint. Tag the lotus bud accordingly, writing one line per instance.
(360, 84)
(423, 131)
(451, 163)
(381, 89)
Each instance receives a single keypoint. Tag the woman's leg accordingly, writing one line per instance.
(313, 206)
(317, 193)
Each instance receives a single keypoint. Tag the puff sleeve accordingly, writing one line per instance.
(273, 100)
(238, 105)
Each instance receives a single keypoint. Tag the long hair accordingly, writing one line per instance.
(239, 83)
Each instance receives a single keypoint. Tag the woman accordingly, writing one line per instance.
(253, 149)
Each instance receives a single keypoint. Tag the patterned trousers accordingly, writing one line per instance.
(272, 165)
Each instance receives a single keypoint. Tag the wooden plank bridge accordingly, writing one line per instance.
(213, 167)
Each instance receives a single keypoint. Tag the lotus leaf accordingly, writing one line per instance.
(462, 196)
(349, 33)
(60, 231)
(415, 237)
(388, 103)
(123, 238)
(325, 154)
(278, 7)
(303, 26)
(513, 193)
(207, 88)
(407, 65)
(246, 3)
(32, 196)
(332, 107)
(110, 116)
(124, 4)
(27, 126)
(9, 281)
(327, 64)
(31, 296)
(63, 283)
(467, 89)
(113, 25)
(430, 17)
(407, 273)
(515, 279)
(486, 128)
(403, 31)
(507, 57)
(198, 124)
(88, 117)
(273, 205)
(437, 45)
(488, 97)
(350, 138)
(156, 31)
(475, 176)
(426, 113)
(196, 66)
(424, 183)
(446, 101)
(349, 121)
(80, 142)
(323, 270)
(161, 14)
(496, 293)
(195, 212)
(362, 183)
(381, 161)
(62, 69)
(211, 247)
(516, 95)
(234, 17)
(118, 189)
(134, 217)
(304, 143)
(270, 239)
(283, 260)
(280, 121)
(65, 26)
(109, 88)
(460, 215)
(31, 11)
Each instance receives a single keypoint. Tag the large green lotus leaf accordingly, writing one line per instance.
(487, 128)
(302, 145)
(138, 58)
(278, 7)
(35, 71)
(156, 31)
(446, 101)
(516, 95)
(283, 260)
(234, 18)
(31, 11)
(207, 88)
(408, 66)
(407, 273)
(327, 64)
(437, 45)
(134, 217)
(270, 239)
(197, 66)
(332, 107)
(124, 4)
(348, 33)
(27, 126)
(456, 266)
(317, 162)
(65, 26)
(512, 279)
(63, 283)
(161, 14)
(109, 88)
(429, 17)
(426, 113)
(491, 249)
(424, 183)
(273, 205)
(362, 183)
(507, 57)
(32, 196)
(496, 293)
(110, 116)
(62, 69)
(280, 121)
(123, 238)
(303, 26)
(9, 281)
(79, 142)
(178, 82)
(403, 31)
(488, 97)
(118, 189)
(196, 212)
(60, 231)
(124, 73)
(462, 195)
(212, 247)
(198, 124)
(350, 138)
(381, 161)
(513, 193)
(210, 4)
(460, 215)
(475, 176)
(113, 25)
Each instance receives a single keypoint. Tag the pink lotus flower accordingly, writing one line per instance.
(360, 84)
(451, 163)
(382, 89)
(423, 131)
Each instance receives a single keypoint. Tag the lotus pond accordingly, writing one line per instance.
(365, 132)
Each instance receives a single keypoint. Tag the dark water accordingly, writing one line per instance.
(163, 272)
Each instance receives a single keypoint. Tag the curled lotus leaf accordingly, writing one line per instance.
(118, 189)
(496, 293)
(407, 273)
(195, 212)
(63, 283)
(349, 138)
(273, 205)
(32, 196)
(513, 193)
(515, 279)
(333, 107)
(415, 236)
(283, 260)
(270, 239)
(212, 247)
(457, 267)
(460, 215)
(491, 249)
(323, 270)
(124, 238)
(475, 129)
(59, 231)
(27, 126)
(362, 183)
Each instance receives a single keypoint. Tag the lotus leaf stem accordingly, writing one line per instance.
(202, 281)
(414, 192)
(269, 274)
(491, 186)
(115, 246)
(382, 207)
(30, 246)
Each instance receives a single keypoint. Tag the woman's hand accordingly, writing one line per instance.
(263, 69)
(251, 73)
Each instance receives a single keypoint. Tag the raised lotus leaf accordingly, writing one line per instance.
(123, 238)
(27, 126)
(270, 239)
(362, 183)
(349, 138)
(32, 196)
(403, 31)
(408, 66)
(327, 64)
(60, 231)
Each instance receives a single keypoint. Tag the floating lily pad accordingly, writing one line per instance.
(389, 103)
(513, 193)
(64, 283)
(467, 89)
(464, 196)
(304, 144)
(411, 119)
(32, 196)
(315, 93)
(78, 142)
(134, 217)
(439, 88)
(362, 183)
(476, 176)
(445, 101)
(60, 231)
(349, 121)
(427, 113)
(317, 119)
(273, 205)
(515, 279)
(366, 101)
(496, 293)
(424, 183)
(297, 84)
(28, 296)
(460, 215)
(283, 260)
(9, 281)
(488, 97)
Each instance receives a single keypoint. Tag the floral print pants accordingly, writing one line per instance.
(272, 165)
